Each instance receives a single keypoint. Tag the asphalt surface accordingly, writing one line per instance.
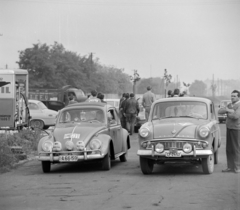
(85, 186)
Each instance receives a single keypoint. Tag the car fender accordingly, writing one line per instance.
(126, 140)
(45, 138)
(106, 142)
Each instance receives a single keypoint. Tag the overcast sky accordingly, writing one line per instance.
(192, 39)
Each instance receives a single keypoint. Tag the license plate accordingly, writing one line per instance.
(68, 158)
(173, 153)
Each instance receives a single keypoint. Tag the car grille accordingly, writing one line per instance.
(176, 144)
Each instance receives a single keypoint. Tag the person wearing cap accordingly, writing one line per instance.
(148, 99)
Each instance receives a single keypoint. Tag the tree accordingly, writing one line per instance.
(198, 88)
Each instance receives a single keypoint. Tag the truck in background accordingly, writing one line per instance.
(14, 112)
(56, 99)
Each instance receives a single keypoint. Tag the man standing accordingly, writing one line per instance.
(148, 99)
(233, 132)
(131, 111)
(121, 109)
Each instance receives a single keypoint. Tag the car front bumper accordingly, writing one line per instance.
(56, 158)
(193, 154)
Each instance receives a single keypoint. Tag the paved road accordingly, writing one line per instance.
(86, 187)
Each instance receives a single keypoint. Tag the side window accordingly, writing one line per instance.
(112, 116)
(32, 106)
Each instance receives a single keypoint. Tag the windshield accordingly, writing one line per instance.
(180, 109)
(224, 103)
(91, 115)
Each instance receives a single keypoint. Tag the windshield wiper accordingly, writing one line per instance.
(158, 118)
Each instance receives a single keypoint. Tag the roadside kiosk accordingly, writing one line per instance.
(14, 112)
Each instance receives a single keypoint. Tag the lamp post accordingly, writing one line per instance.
(134, 79)
(167, 78)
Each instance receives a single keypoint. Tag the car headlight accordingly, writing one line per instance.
(159, 148)
(80, 145)
(204, 132)
(144, 132)
(69, 145)
(47, 146)
(57, 146)
(187, 148)
(95, 144)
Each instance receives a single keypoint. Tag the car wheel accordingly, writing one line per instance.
(37, 124)
(46, 166)
(208, 164)
(146, 165)
(106, 163)
(216, 157)
(123, 157)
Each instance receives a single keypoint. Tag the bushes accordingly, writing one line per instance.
(26, 139)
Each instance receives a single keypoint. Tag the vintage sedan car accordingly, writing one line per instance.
(85, 131)
(180, 129)
(41, 116)
(223, 117)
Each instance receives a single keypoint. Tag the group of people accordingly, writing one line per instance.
(129, 108)
(94, 97)
(175, 93)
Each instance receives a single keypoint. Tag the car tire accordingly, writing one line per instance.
(123, 157)
(208, 164)
(146, 165)
(216, 157)
(46, 166)
(37, 124)
(106, 162)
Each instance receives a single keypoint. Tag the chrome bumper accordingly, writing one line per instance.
(194, 154)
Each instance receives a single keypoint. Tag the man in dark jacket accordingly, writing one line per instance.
(121, 109)
(131, 110)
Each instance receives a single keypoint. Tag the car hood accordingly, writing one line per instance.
(77, 133)
(170, 128)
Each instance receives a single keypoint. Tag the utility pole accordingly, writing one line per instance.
(213, 87)
(167, 78)
(134, 79)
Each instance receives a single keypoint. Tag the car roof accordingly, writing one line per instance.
(198, 99)
(33, 100)
(90, 104)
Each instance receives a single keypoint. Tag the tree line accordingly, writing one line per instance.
(52, 66)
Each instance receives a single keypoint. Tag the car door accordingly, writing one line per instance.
(215, 127)
(115, 130)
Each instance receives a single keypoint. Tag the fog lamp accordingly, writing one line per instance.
(80, 145)
(57, 146)
(69, 145)
(187, 148)
(159, 148)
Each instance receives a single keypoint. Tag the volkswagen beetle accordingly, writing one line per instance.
(182, 129)
(85, 131)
